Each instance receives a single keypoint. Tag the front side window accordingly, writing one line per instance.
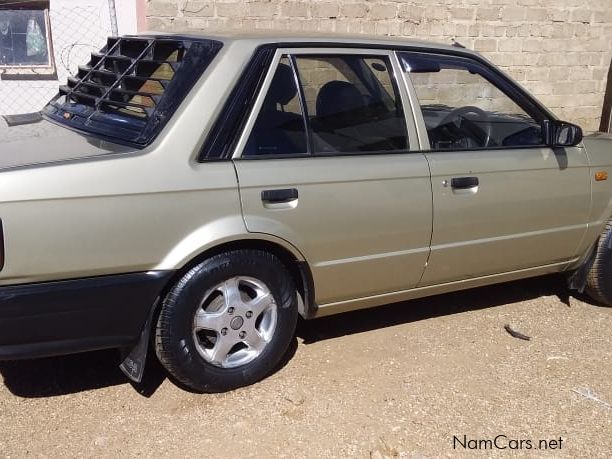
(344, 104)
(463, 109)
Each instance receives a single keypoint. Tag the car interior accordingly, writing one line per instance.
(358, 114)
(465, 127)
(343, 119)
(276, 130)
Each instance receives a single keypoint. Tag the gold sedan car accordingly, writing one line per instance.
(194, 195)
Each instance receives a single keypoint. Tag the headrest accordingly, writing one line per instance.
(283, 88)
(338, 97)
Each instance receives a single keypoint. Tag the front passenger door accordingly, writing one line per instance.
(327, 163)
(503, 201)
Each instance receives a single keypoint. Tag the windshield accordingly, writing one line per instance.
(129, 90)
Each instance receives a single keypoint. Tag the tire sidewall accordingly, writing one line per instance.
(185, 299)
(600, 282)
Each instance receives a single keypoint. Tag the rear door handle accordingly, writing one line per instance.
(279, 196)
(463, 183)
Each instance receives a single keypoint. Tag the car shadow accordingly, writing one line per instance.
(54, 376)
(430, 307)
(70, 374)
(57, 376)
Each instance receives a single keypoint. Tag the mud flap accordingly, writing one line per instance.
(578, 279)
(133, 359)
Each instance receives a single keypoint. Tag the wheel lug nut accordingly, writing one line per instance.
(230, 310)
(249, 314)
(224, 331)
(242, 334)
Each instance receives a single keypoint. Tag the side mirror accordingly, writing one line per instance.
(561, 134)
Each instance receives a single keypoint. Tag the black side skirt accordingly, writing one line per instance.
(68, 316)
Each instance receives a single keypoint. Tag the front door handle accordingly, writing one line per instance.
(463, 183)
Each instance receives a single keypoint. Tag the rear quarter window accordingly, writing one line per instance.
(129, 90)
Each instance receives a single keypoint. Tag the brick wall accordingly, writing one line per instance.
(559, 50)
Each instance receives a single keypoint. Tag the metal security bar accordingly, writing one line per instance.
(130, 87)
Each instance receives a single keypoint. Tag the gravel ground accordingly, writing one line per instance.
(400, 380)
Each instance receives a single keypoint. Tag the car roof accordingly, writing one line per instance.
(265, 37)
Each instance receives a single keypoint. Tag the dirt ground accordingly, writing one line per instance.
(401, 380)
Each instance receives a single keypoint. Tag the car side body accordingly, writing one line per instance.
(95, 232)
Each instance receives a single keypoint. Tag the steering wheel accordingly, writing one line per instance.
(482, 117)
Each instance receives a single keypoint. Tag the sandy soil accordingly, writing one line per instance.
(401, 380)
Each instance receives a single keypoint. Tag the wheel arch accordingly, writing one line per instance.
(134, 357)
(292, 258)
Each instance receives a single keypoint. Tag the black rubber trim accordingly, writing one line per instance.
(224, 134)
(1, 245)
(62, 347)
(68, 316)
(310, 307)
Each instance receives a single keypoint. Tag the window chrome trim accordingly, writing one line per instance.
(415, 106)
(417, 134)
(292, 53)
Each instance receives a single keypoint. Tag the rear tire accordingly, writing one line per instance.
(599, 278)
(228, 321)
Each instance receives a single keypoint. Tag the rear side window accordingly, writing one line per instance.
(280, 128)
(347, 103)
(465, 107)
(129, 90)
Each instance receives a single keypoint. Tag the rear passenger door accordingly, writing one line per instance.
(328, 162)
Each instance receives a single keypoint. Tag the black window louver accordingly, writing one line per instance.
(129, 89)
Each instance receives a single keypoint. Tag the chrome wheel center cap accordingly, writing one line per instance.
(236, 322)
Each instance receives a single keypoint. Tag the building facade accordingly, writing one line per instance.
(42, 42)
(560, 51)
